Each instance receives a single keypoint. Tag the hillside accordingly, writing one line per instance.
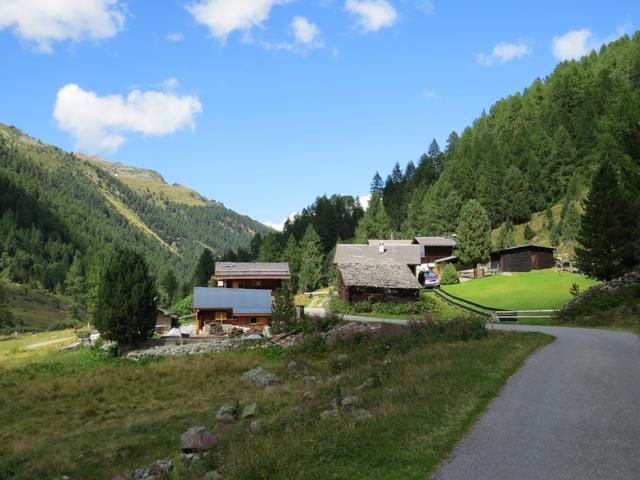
(54, 204)
(531, 150)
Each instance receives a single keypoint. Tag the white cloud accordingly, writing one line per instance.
(305, 31)
(430, 95)
(170, 83)
(279, 226)
(224, 16)
(578, 43)
(99, 123)
(364, 201)
(372, 14)
(44, 22)
(175, 37)
(504, 52)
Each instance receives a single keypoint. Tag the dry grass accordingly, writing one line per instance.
(87, 417)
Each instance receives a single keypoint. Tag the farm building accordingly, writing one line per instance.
(435, 248)
(165, 320)
(252, 275)
(385, 282)
(522, 258)
(378, 272)
(231, 306)
(390, 242)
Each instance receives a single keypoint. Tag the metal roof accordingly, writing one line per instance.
(436, 241)
(248, 269)
(370, 254)
(391, 242)
(378, 276)
(240, 300)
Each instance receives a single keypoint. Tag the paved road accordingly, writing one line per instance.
(572, 412)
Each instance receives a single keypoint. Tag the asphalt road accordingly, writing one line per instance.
(571, 412)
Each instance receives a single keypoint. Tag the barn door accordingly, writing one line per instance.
(534, 261)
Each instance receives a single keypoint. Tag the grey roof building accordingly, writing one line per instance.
(240, 300)
(394, 276)
(436, 241)
(252, 269)
(372, 255)
(390, 242)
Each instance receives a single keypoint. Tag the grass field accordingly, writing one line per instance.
(87, 417)
(36, 309)
(537, 290)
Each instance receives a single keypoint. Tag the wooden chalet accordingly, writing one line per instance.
(240, 307)
(251, 275)
(378, 272)
(435, 248)
(522, 258)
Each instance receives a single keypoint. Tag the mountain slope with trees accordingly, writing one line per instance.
(56, 207)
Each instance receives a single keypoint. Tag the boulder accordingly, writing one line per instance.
(227, 413)
(250, 410)
(197, 439)
(260, 377)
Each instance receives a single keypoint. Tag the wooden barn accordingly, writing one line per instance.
(253, 275)
(393, 283)
(522, 258)
(435, 248)
(231, 306)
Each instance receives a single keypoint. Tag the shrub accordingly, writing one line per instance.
(183, 307)
(529, 233)
(574, 290)
(449, 276)
(283, 317)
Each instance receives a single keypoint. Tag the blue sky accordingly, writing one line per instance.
(265, 104)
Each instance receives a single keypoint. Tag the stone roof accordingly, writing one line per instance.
(252, 269)
(378, 276)
(436, 241)
(240, 300)
(370, 254)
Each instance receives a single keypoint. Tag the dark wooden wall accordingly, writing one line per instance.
(431, 254)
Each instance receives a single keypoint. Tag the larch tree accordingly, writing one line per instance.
(474, 234)
(311, 261)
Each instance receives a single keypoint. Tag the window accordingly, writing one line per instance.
(221, 316)
(254, 320)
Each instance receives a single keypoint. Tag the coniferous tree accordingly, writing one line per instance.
(283, 316)
(607, 250)
(292, 255)
(376, 184)
(474, 234)
(271, 248)
(170, 285)
(435, 155)
(311, 261)
(529, 233)
(204, 269)
(506, 236)
(126, 304)
(6, 318)
(93, 276)
(77, 286)
(375, 223)
(254, 247)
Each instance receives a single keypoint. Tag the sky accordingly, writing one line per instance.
(265, 104)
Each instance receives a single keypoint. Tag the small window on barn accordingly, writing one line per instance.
(221, 316)
(254, 320)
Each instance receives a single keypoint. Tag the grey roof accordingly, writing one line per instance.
(370, 254)
(378, 276)
(446, 259)
(248, 269)
(391, 242)
(436, 241)
(240, 300)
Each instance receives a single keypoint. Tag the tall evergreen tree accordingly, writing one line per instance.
(126, 304)
(6, 318)
(271, 248)
(311, 261)
(283, 317)
(170, 285)
(474, 234)
(204, 269)
(77, 286)
(607, 250)
(292, 255)
(376, 184)
(375, 223)
(254, 247)
(506, 236)
(435, 155)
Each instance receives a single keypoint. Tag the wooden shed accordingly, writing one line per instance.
(522, 258)
(392, 283)
(241, 307)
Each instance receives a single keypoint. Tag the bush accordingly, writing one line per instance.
(529, 233)
(424, 306)
(449, 276)
(183, 307)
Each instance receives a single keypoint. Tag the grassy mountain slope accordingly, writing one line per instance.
(92, 205)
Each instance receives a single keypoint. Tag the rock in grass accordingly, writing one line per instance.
(260, 377)
(361, 414)
(255, 426)
(250, 410)
(212, 475)
(351, 401)
(329, 414)
(161, 468)
(368, 383)
(197, 439)
(227, 413)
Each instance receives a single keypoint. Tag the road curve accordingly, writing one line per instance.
(571, 412)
